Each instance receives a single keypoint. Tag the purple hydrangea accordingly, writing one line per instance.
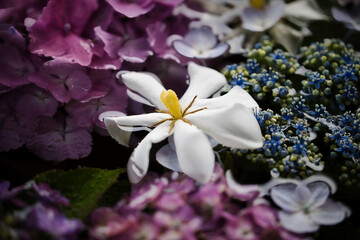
(174, 206)
(53, 222)
(58, 32)
(59, 138)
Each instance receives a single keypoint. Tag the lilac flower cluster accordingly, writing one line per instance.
(175, 207)
(32, 211)
(58, 58)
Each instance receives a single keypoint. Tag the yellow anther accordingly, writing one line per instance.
(257, 3)
(171, 101)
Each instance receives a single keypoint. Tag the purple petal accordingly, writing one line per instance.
(15, 62)
(57, 33)
(130, 8)
(50, 195)
(171, 3)
(87, 113)
(36, 102)
(112, 42)
(61, 140)
(135, 51)
(64, 80)
(53, 222)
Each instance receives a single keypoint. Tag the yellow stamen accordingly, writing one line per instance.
(171, 101)
(257, 3)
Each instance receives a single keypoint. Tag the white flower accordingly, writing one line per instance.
(257, 16)
(228, 119)
(200, 43)
(305, 204)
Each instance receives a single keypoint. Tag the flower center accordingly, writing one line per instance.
(171, 101)
(257, 3)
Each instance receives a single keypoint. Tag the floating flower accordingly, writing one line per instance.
(200, 43)
(305, 204)
(228, 119)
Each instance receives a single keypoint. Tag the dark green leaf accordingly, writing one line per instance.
(84, 187)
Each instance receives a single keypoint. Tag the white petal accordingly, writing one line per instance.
(217, 51)
(257, 20)
(146, 120)
(139, 160)
(234, 126)
(146, 85)
(138, 98)
(302, 195)
(321, 178)
(115, 132)
(319, 193)
(329, 213)
(184, 49)
(305, 10)
(297, 222)
(203, 83)
(287, 36)
(237, 44)
(284, 196)
(168, 158)
(195, 154)
(235, 95)
(341, 15)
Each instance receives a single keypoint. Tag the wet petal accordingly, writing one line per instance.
(195, 154)
(239, 128)
(203, 83)
(139, 160)
(146, 85)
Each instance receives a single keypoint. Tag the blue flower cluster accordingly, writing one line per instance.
(314, 121)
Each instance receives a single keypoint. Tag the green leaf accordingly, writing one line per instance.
(84, 187)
